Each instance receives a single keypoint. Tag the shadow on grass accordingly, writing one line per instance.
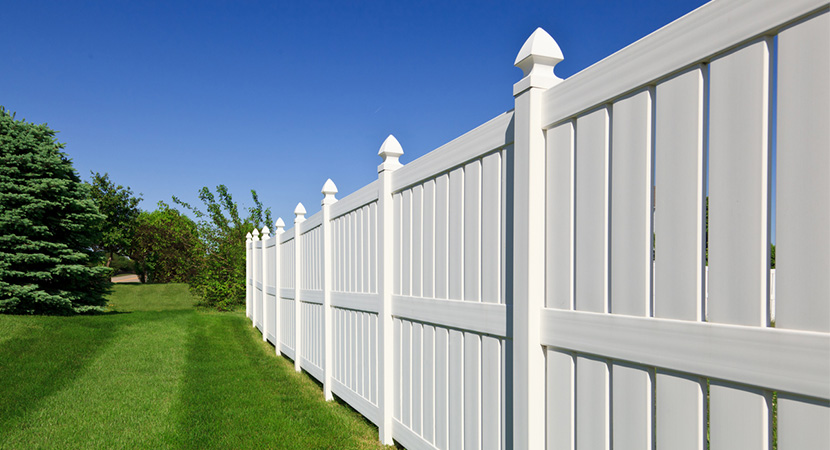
(52, 354)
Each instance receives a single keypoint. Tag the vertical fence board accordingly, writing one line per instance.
(559, 255)
(367, 356)
(366, 248)
(631, 205)
(374, 358)
(417, 365)
(679, 411)
(632, 403)
(441, 235)
(592, 401)
(428, 392)
(738, 183)
(406, 373)
(592, 211)
(738, 229)
(506, 288)
(417, 238)
(456, 235)
(406, 242)
(592, 271)
(456, 390)
(364, 354)
(428, 271)
(442, 413)
(803, 216)
(472, 391)
(471, 230)
(561, 401)
(397, 368)
(398, 242)
(631, 259)
(491, 383)
(678, 212)
(491, 242)
(678, 230)
(373, 244)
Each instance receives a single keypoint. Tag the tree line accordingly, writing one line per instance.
(62, 238)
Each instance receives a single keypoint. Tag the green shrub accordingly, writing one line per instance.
(220, 278)
(166, 246)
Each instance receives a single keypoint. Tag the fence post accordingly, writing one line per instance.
(248, 288)
(299, 218)
(390, 151)
(536, 59)
(329, 189)
(254, 262)
(266, 234)
(280, 229)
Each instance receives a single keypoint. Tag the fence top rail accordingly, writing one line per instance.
(712, 29)
(357, 199)
(287, 235)
(492, 135)
(312, 222)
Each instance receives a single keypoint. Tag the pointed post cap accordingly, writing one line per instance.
(266, 233)
(537, 57)
(299, 213)
(248, 237)
(329, 189)
(390, 151)
(255, 235)
(279, 225)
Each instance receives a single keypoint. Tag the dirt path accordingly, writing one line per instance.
(128, 278)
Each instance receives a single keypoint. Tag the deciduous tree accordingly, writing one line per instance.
(120, 206)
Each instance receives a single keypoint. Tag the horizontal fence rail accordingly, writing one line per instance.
(593, 269)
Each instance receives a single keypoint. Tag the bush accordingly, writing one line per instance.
(220, 278)
(166, 246)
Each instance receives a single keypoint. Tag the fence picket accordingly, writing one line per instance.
(631, 256)
(738, 229)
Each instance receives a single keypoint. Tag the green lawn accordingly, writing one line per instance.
(157, 373)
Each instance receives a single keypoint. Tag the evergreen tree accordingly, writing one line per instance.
(48, 224)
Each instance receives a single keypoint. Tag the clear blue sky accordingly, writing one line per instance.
(171, 96)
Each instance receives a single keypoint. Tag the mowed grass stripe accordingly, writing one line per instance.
(256, 397)
(160, 374)
(122, 399)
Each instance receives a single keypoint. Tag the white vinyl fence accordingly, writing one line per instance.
(540, 282)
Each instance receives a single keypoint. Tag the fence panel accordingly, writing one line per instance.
(614, 333)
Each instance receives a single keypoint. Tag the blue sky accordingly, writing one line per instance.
(278, 96)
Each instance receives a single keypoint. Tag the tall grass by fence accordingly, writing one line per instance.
(505, 290)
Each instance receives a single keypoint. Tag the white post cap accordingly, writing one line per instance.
(539, 54)
(299, 213)
(329, 189)
(255, 235)
(248, 237)
(266, 233)
(279, 225)
(390, 151)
